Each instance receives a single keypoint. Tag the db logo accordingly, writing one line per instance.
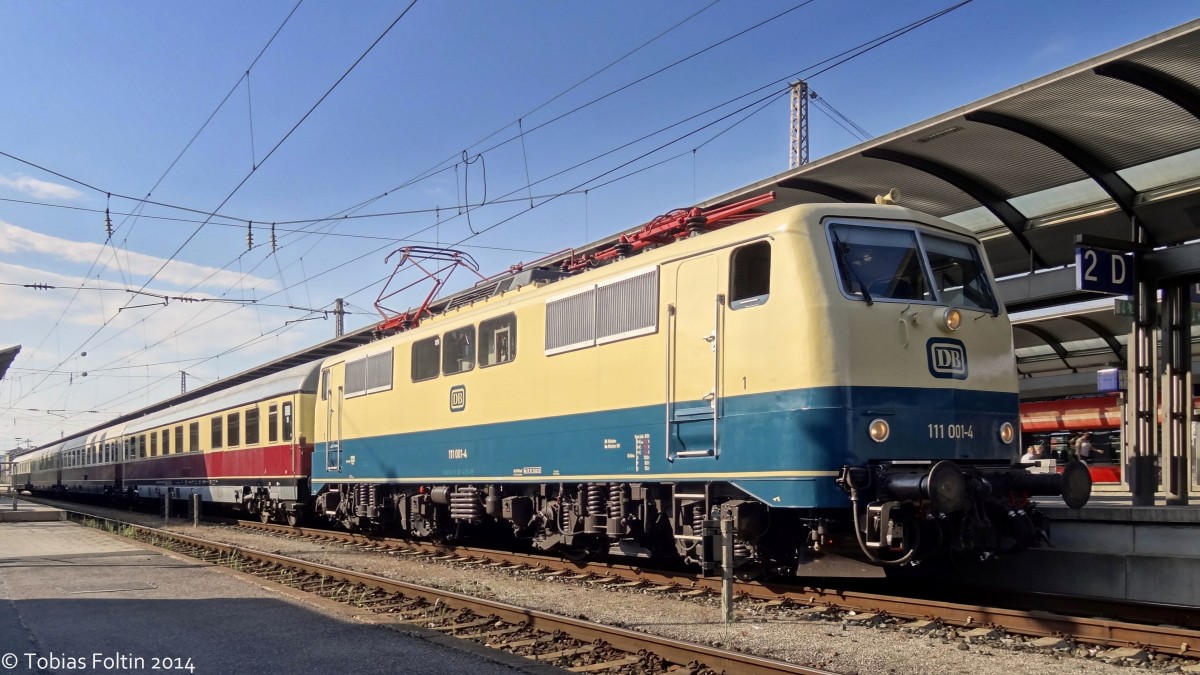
(458, 398)
(947, 358)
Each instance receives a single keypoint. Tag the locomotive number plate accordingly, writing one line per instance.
(955, 431)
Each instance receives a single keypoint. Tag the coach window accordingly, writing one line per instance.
(153, 444)
(458, 352)
(498, 340)
(194, 437)
(166, 441)
(179, 439)
(216, 432)
(425, 358)
(141, 443)
(273, 423)
(750, 275)
(233, 429)
(251, 426)
(287, 421)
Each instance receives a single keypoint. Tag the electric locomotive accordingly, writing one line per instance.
(836, 379)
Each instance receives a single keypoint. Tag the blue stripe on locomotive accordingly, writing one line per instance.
(784, 447)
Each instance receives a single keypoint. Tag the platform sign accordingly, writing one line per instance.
(1123, 307)
(1111, 379)
(1102, 271)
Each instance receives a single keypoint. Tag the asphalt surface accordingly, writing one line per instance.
(75, 600)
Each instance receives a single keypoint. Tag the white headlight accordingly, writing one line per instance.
(879, 431)
(951, 318)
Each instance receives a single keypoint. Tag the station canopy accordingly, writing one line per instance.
(7, 355)
(1091, 149)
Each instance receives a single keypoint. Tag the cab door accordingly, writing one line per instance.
(331, 404)
(693, 360)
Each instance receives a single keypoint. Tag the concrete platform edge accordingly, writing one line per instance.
(363, 616)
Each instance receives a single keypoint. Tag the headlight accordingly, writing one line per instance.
(879, 431)
(1007, 433)
(951, 318)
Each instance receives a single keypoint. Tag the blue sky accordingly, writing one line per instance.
(110, 94)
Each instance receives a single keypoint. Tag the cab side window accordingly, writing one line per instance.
(750, 275)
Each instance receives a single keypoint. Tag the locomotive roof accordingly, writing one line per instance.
(448, 309)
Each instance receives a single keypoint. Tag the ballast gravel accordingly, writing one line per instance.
(844, 643)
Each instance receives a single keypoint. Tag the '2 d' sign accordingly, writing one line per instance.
(1102, 271)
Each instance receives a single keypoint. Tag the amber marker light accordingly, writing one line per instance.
(951, 319)
(879, 431)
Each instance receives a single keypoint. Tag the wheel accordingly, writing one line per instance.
(264, 515)
(293, 519)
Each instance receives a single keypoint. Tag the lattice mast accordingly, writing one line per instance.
(798, 148)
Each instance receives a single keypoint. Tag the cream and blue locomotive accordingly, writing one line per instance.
(836, 379)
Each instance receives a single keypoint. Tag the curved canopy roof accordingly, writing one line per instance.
(1083, 150)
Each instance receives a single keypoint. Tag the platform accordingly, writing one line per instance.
(1107, 549)
(26, 511)
(113, 605)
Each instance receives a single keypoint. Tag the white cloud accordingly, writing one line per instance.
(14, 239)
(39, 188)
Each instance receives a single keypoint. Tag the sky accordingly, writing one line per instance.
(504, 129)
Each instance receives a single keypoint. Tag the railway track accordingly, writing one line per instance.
(1161, 629)
(1074, 622)
(573, 644)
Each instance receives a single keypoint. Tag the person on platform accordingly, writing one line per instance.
(1032, 454)
(1083, 447)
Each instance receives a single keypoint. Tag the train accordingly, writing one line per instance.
(837, 380)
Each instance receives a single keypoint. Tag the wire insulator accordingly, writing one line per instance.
(249, 235)
(108, 228)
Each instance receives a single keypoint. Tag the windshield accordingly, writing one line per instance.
(887, 263)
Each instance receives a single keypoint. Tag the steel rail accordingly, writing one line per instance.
(1161, 636)
(1166, 639)
(674, 651)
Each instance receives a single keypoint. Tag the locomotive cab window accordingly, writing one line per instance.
(958, 274)
(750, 275)
(458, 353)
(877, 263)
(907, 265)
(498, 340)
(426, 359)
